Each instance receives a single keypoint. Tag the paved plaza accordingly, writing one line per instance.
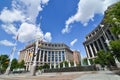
(92, 75)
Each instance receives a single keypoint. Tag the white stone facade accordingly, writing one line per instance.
(50, 53)
(96, 40)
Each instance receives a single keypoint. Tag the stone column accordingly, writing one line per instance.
(58, 57)
(61, 56)
(32, 55)
(51, 58)
(54, 59)
(94, 48)
(40, 56)
(50, 66)
(88, 62)
(102, 44)
(91, 51)
(98, 45)
(113, 35)
(65, 55)
(43, 57)
(75, 64)
(87, 51)
(25, 56)
(63, 65)
(29, 68)
(47, 57)
(29, 56)
(108, 35)
(69, 64)
(58, 65)
(55, 65)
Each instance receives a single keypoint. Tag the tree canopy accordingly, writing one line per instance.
(115, 47)
(112, 16)
(4, 60)
(104, 58)
(21, 64)
(14, 64)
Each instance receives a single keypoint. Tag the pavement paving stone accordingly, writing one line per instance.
(91, 75)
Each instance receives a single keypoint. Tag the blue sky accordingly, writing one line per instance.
(66, 21)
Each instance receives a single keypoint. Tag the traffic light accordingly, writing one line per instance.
(6, 62)
(30, 54)
(40, 45)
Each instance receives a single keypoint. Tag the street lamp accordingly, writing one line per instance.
(107, 41)
(33, 70)
(11, 57)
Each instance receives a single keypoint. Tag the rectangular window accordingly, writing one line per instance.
(59, 53)
(52, 53)
(48, 59)
(49, 53)
(52, 58)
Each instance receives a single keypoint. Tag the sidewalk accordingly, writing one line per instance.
(91, 75)
(101, 75)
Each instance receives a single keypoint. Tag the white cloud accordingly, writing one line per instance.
(6, 43)
(31, 8)
(44, 1)
(86, 11)
(48, 37)
(11, 15)
(9, 28)
(25, 12)
(28, 32)
(73, 42)
(66, 29)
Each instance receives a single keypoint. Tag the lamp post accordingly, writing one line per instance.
(33, 70)
(11, 57)
(107, 41)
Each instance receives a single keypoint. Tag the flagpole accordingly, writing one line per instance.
(11, 57)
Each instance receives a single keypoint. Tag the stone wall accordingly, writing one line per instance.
(72, 69)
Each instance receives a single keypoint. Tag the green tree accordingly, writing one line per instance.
(4, 61)
(115, 47)
(21, 64)
(39, 67)
(85, 62)
(104, 58)
(112, 17)
(72, 63)
(46, 66)
(65, 62)
(14, 64)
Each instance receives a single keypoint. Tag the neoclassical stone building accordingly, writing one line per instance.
(50, 53)
(76, 57)
(98, 40)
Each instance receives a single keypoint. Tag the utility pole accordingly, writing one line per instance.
(108, 44)
(11, 57)
(33, 70)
